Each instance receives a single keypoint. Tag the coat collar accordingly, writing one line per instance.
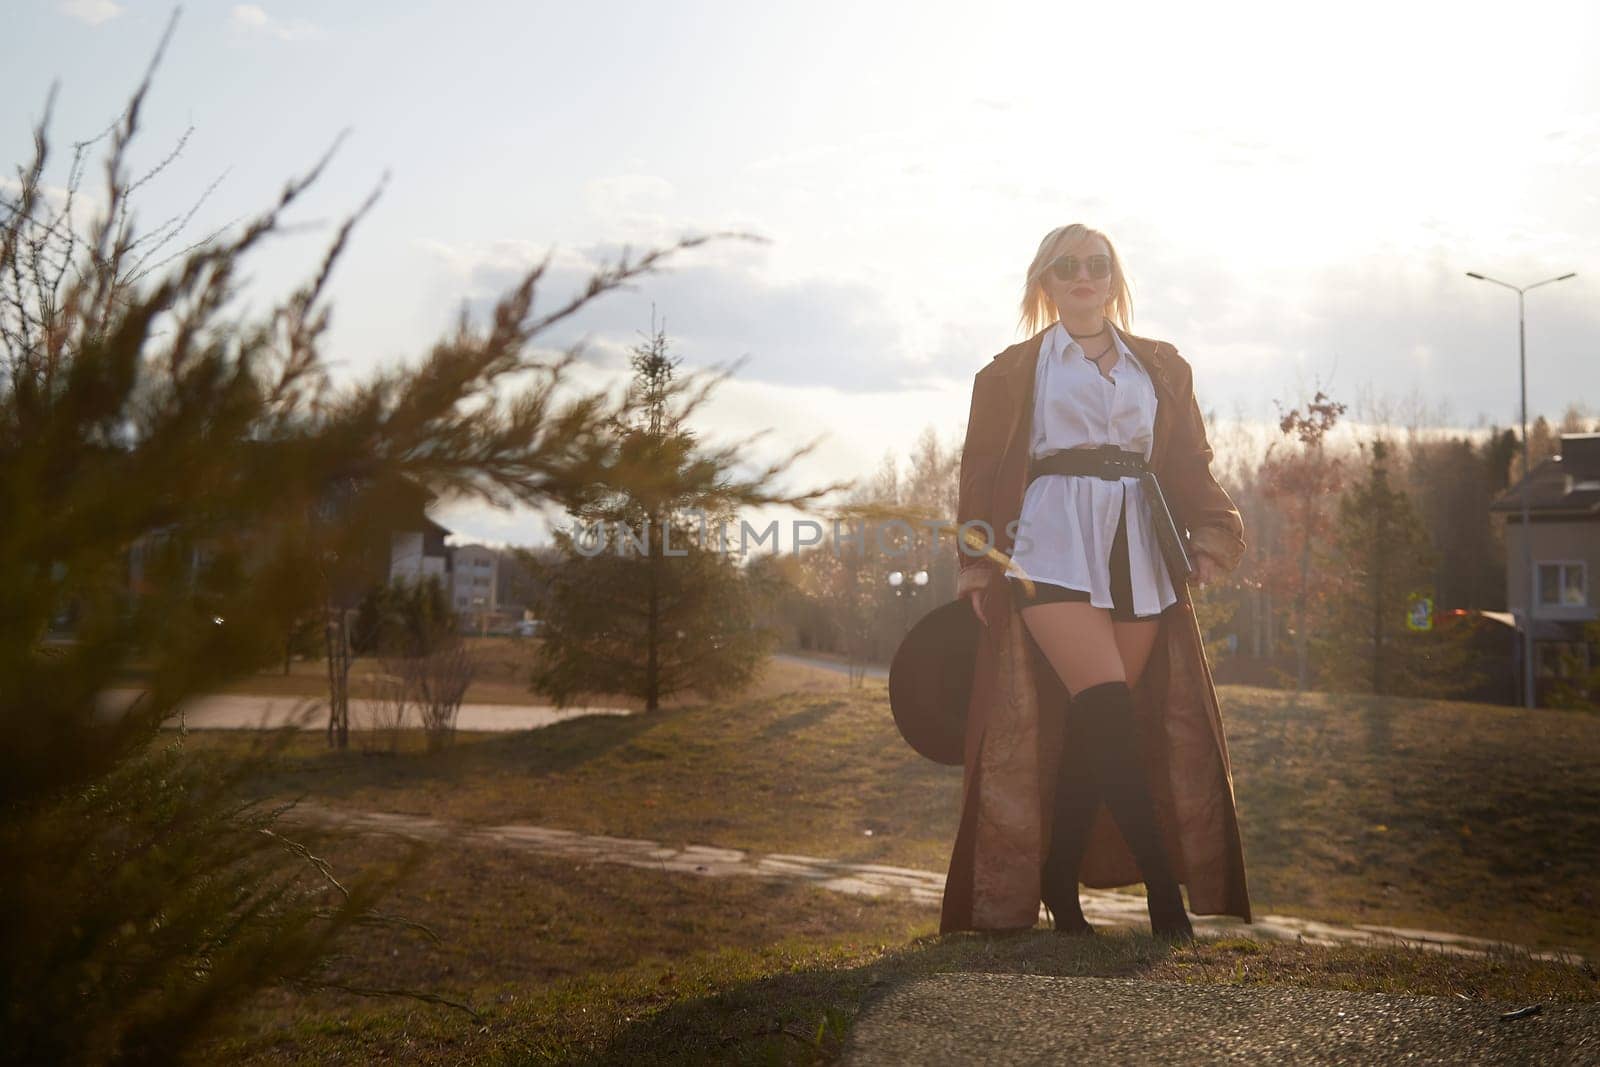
(1018, 363)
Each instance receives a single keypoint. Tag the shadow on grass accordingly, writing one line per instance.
(1377, 720)
(560, 747)
(801, 720)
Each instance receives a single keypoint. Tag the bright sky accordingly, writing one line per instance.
(1297, 194)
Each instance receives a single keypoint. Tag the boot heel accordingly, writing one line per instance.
(1169, 921)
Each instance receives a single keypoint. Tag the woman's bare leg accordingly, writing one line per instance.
(1135, 641)
(1085, 646)
(1078, 640)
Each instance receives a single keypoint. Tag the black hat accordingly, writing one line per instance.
(930, 681)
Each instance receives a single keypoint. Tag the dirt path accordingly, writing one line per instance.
(871, 671)
(1118, 909)
(243, 711)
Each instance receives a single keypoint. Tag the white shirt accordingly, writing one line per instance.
(1068, 521)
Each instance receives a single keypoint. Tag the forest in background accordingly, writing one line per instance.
(1446, 545)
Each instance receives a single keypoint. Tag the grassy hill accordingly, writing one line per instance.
(1452, 816)
(1465, 817)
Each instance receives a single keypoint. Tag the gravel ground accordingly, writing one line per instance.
(1011, 1019)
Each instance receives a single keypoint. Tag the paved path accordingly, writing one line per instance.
(240, 712)
(249, 712)
(1013, 1019)
(862, 879)
(831, 665)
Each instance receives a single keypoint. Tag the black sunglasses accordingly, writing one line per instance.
(1066, 267)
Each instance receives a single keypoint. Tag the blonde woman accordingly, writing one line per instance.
(1068, 722)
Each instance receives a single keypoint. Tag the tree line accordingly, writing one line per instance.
(1345, 541)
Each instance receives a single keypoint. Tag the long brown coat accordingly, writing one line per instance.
(1015, 721)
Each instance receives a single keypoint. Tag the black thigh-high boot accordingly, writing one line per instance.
(1105, 712)
(1077, 802)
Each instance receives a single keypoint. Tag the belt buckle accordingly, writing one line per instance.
(1114, 459)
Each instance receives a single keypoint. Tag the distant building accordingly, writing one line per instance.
(400, 543)
(474, 588)
(1563, 498)
(419, 552)
(492, 590)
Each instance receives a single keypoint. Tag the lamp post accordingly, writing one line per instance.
(905, 587)
(1527, 540)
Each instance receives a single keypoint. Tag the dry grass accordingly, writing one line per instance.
(1489, 823)
(571, 962)
(525, 940)
(1469, 817)
(1461, 817)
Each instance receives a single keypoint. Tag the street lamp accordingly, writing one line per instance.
(1527, 541)
(905, 587)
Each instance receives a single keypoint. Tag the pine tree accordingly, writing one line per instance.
(1578, 685)
(1543, 442)
(1384, 558)
(1452, 481)
(403, 618)
(654, 605)
(144, 412)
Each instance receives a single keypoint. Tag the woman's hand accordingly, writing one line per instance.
(1206, 570)
(976, 596)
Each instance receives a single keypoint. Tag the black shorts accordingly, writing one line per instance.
(1121, 582)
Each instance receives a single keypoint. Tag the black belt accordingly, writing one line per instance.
(1113, 464)
(1103, 461)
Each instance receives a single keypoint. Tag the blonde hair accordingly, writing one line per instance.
(1037, 309)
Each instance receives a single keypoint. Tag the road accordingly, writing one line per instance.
(245, 712)
(238, 712)
(829, 665)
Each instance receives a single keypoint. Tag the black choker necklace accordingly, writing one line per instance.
(1086, 336)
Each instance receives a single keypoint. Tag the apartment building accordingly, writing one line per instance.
(1563, 500)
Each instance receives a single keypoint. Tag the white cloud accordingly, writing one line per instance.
(249, 15)
(250, 18)
(621, 197)
(87, 204)
(849, 433)
(93, 12)
(719, 304)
